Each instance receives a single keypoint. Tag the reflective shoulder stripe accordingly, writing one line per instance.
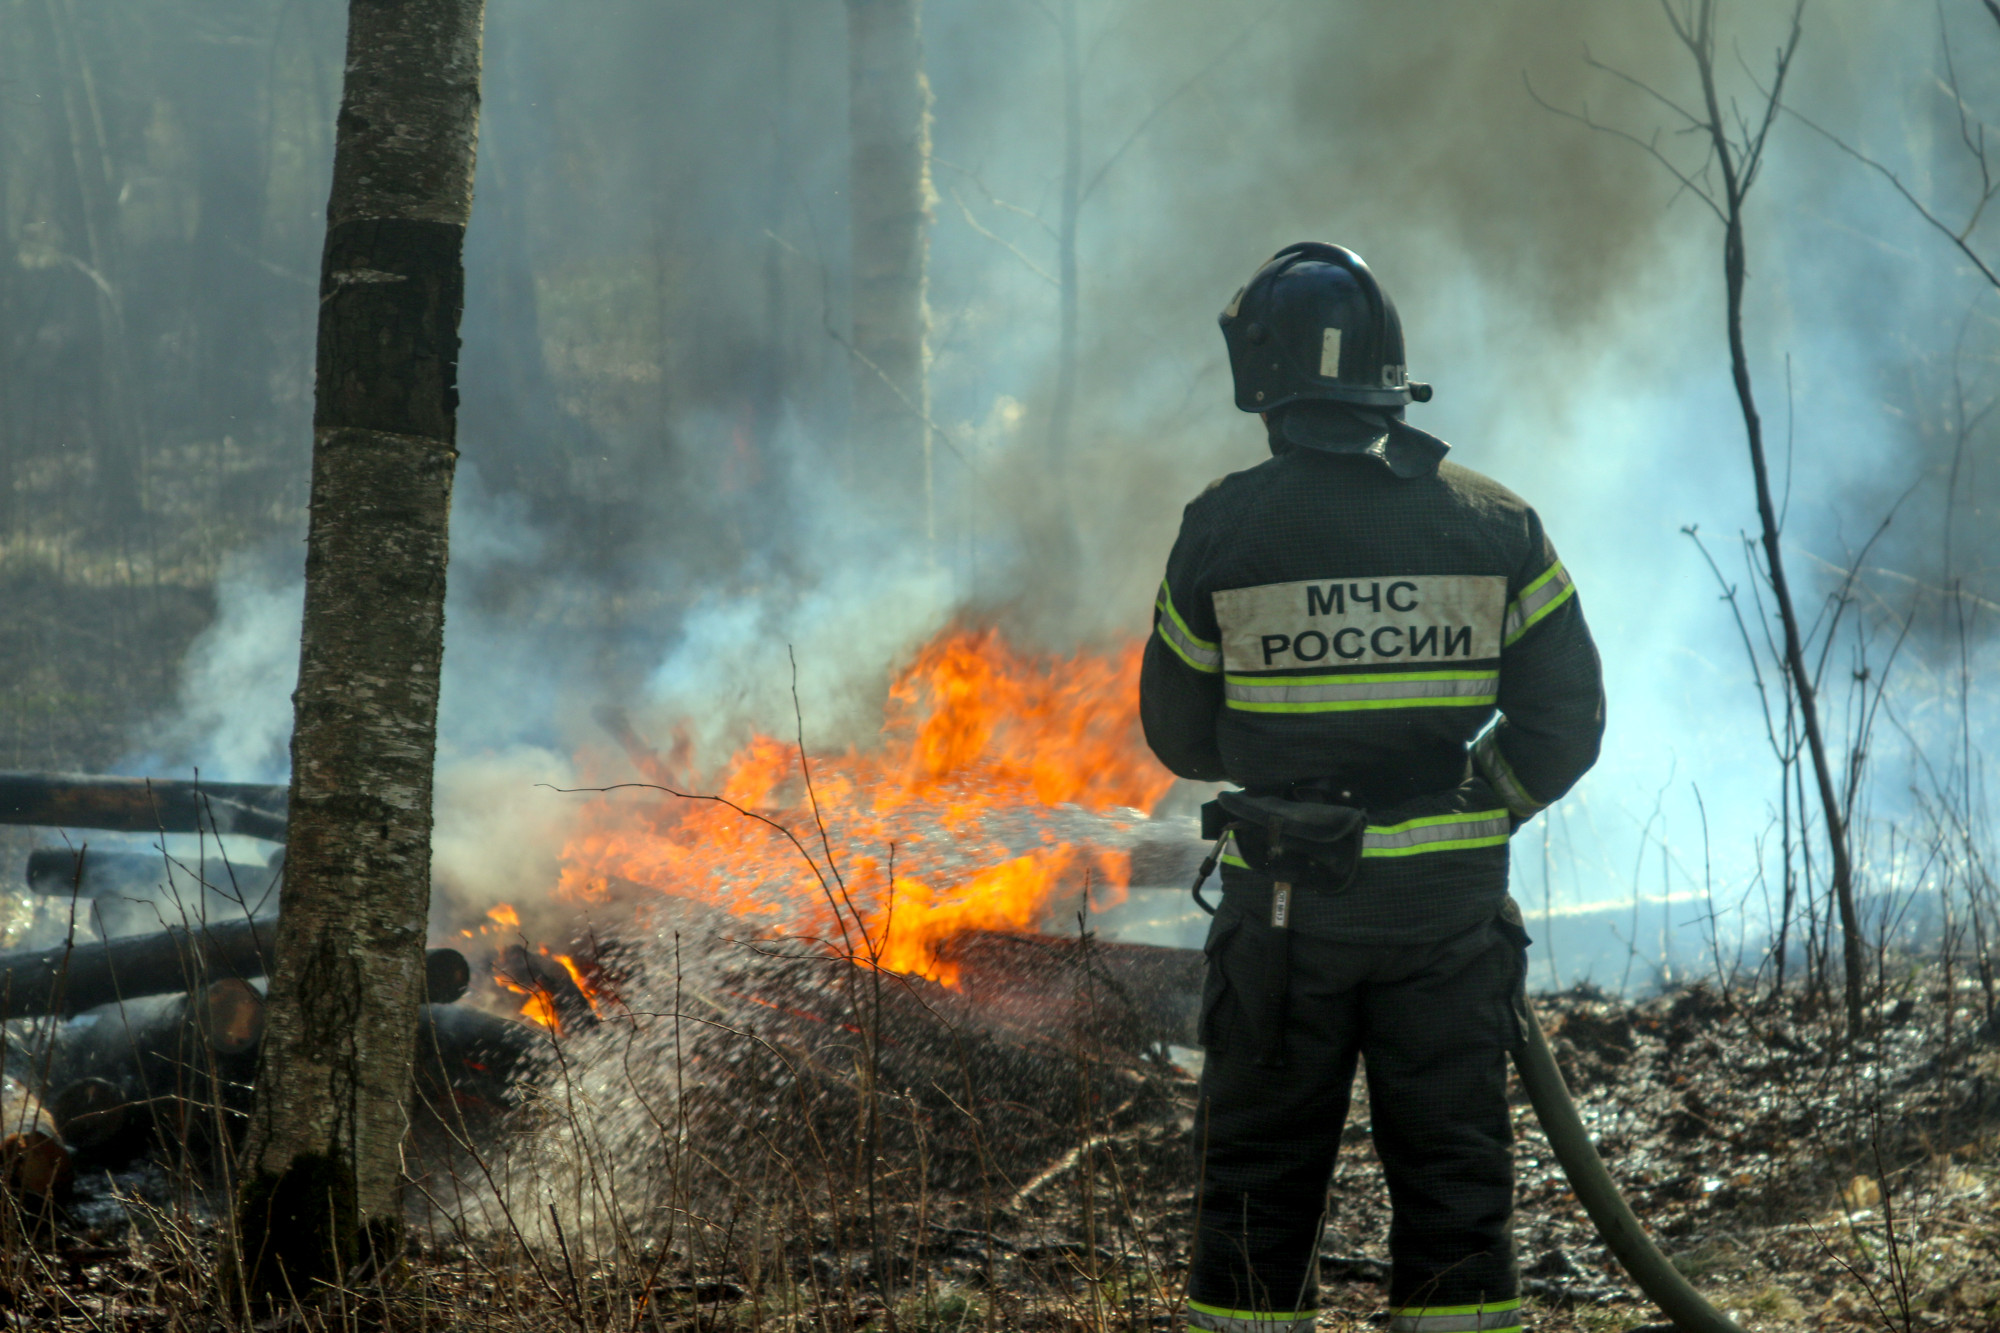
(1438, 833)
(1544, 595)
(1219, 1320)
(1491, 1317)
(1499, 774)
(1197, 652)
(1230, 856)
(1346, 694)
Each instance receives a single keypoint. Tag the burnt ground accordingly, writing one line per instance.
(1042, 1180)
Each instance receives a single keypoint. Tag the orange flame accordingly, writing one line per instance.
(974, 733)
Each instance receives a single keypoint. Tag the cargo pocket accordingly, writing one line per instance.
(1217, 1001)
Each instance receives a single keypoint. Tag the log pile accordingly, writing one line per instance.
(149, 1044)
(146, 1041)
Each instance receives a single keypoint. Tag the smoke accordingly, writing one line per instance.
(661, 507)
(234, 707)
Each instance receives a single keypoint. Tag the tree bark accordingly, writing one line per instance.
(889, 197)
(1738, 165)
(319, 1191)
(1063, 410)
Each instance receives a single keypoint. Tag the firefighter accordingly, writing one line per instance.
(1337, 627)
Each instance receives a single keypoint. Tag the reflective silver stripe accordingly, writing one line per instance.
(1338, 694)
(1539, 598)
(1496, 1317)
(1438, 833)
(1415, 837)
(1197, 653)
(1499, 774)
(1219, 1320)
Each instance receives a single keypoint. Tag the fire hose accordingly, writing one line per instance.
(1598, 1193)
(1588, 1178)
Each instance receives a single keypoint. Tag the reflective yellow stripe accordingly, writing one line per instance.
(1356, 693)
(1438, 833)
(1219, 1320)
(1545, 594)
(1190, 647)
(1491, 1317)
(1415, 837)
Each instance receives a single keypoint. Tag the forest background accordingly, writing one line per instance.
(660, 491)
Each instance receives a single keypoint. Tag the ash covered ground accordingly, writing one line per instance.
(764, 1135)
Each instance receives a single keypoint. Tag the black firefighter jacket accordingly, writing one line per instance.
(1323, 620)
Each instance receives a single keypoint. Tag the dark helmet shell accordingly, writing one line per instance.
(1313, 323)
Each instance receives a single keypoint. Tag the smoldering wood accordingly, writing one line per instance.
(524, 969)
(143, 805)
(474, 1063)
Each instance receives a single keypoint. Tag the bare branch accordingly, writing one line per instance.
(1693, 121)
(1650, 148)
(995, 199)
(1221, 56)
(1923, 210)
(1754, 150)
(1001, 241)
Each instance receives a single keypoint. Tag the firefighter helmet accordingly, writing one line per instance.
(1313, 323)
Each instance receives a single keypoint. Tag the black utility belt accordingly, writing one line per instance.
(1298, 844)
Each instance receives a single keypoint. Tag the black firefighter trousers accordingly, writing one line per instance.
(1435, 1023)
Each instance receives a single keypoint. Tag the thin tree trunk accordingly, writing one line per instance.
(1063, 410)
(1737, 173)
(319, 1191)
(889, 197)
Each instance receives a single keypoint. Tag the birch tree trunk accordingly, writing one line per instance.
(319, 1190)
(889, 196)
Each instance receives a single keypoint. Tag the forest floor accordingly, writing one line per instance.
(1799, 1185)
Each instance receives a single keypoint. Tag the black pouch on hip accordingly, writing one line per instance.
(1308, 844)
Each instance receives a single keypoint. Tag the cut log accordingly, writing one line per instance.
(62, 872)
(33, 1158)
(164, 1072)
(142, 805)
(136, 893)
(69, 980)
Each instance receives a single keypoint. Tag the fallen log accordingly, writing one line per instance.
(143, 805)
(472, 1063)
(63, 872)
(160, 1064)
(133, 893)
(166, 1073)
(70, 979)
